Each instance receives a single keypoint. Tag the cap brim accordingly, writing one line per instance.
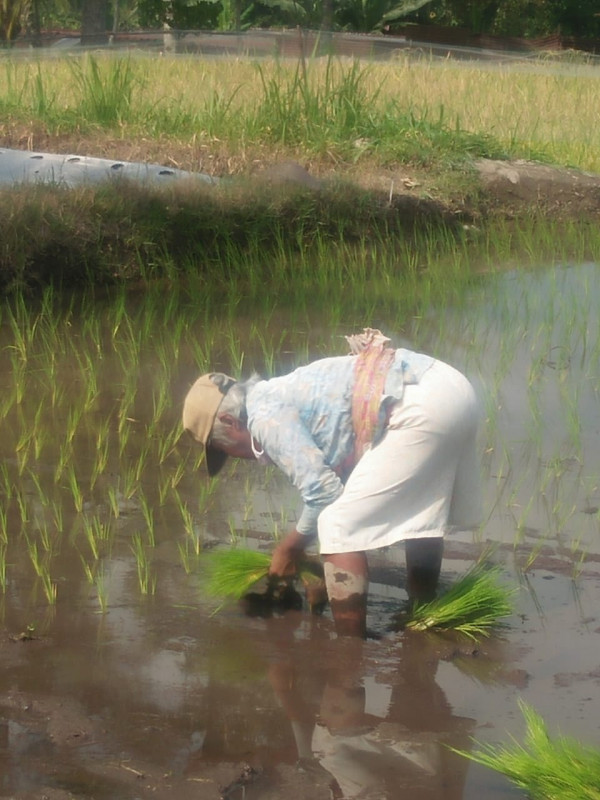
(215, 459)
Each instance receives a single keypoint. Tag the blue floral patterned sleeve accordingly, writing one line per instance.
(303, 422)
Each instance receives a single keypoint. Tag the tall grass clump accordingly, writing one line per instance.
(312, 107)
(342, 107)
(106, 88)
(547, 769)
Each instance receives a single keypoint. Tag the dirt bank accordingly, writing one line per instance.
(482, 189)
(498, 188)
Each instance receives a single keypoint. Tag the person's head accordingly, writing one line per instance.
(214, 413)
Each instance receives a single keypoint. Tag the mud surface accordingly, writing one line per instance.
(201, 708)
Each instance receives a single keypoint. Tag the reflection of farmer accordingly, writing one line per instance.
(373, 739)
(380, 445)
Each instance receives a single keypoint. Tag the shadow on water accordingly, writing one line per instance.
(117, 679)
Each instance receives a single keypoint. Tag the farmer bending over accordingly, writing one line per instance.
(381, 445)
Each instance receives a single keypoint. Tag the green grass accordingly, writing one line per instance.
(559, 768)
(473, 606)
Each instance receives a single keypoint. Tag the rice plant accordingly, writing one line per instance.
(3, 549)
(473, 606)
(559, 768)
(231, 574)
(146, 580)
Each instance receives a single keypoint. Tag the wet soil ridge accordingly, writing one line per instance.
(515, 185)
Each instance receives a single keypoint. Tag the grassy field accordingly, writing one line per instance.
(340, 111)
(346, 120)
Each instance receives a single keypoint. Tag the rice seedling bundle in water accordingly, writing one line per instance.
(473, 606)
(547, 769)
(231, 574)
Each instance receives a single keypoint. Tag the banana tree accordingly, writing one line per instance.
(12, 15)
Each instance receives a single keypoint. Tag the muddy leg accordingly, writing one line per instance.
(347, 581)
(423, 565)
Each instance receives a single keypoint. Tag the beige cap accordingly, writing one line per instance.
(199, 413)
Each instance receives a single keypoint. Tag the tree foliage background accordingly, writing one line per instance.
(523, 18)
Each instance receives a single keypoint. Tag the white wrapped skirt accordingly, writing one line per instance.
(421, 477)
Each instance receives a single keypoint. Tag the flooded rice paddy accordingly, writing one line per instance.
(117, 678)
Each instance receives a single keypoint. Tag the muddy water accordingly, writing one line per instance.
(119, 681)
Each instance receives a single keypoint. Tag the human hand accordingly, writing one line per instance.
(284, 562)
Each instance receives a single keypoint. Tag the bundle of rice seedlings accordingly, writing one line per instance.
(559, 769)
(473, 606)
(231, 574)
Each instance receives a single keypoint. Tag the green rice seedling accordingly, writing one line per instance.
(124, 431)
(113, 501)
(235, 352)
(45, 538)
(188, 520)
(35, 480)
(473, 606)
(546, 768)
(168, 442)
(90, 532)
(130, 482)
(22, 504)
(26, 434)
(19, 378)
(3, 549)
(22, 459)
(142, 459)
(233, 529)
(117, 311)
(73, 419)
(189, 558)
(6, 403)
(88, 569)
(148, 514)
(34, 557)
(3, 525)
(40, 439)
(164, 487)
(49, 586)
(6, 482)
(102, 445)
(230, 574)
(64, 457)
(146, 581)
(580, 556)
(102, 590)
(75, 488)
(179, 473)
(90, 377)
(161, 401)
